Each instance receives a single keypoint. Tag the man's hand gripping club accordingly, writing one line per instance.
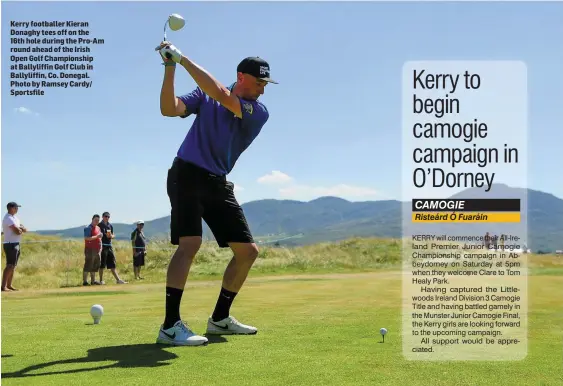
(169, 52)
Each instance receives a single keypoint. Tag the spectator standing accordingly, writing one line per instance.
(108, 257)
(139, 244)
(92, 250)
(13, 231)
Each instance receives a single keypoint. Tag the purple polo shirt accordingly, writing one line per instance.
(217, 137)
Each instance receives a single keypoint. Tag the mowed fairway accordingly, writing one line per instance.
(313, 330)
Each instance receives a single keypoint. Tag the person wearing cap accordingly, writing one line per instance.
(227, 120)
(139, 244)
(107, 256)
(13, 230)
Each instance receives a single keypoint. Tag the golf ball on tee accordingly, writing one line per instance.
(176, 22)
(383, 331)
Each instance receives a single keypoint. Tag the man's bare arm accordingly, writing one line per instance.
(206, 82)
(170, 105)
(212, 86)
(19, 231)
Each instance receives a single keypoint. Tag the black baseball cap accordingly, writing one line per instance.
(256, 67)
(12, 204)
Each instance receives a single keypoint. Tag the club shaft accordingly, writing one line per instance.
(168, 56)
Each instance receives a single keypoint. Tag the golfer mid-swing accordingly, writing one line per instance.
(227, 121)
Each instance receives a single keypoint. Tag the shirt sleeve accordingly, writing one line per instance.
(254, 114)
(86, 232)
(192, 101)
(9, 222)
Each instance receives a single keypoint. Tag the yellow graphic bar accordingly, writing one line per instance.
(466, 217)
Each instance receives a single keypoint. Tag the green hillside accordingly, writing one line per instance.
(293, 223)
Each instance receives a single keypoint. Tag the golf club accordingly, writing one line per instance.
(175, 22)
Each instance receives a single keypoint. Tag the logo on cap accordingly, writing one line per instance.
(265, 70)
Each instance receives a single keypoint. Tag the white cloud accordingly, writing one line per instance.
(275, 177)
(238, 188)
(24, 110)
(304, 192)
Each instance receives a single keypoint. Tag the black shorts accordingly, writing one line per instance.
(108, 258)
(12, 251)
(138, 259)
(197, 194)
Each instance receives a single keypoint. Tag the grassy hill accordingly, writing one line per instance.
(297, 223)
(53, 262)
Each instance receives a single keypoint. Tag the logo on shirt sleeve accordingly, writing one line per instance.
(248, 108)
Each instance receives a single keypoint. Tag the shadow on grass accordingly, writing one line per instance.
(129, 356)
(211, 339)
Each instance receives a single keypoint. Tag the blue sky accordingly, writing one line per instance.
(335, 117)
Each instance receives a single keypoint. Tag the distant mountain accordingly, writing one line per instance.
(541, 212)
(122, 231)
(332, 219)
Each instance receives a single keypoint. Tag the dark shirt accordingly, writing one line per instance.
(138, 240)
(105, 227)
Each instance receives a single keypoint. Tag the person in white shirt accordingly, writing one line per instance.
(13, 231)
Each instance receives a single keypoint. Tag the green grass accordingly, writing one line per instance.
(318, 309)
(58, 263)
(321, 331)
